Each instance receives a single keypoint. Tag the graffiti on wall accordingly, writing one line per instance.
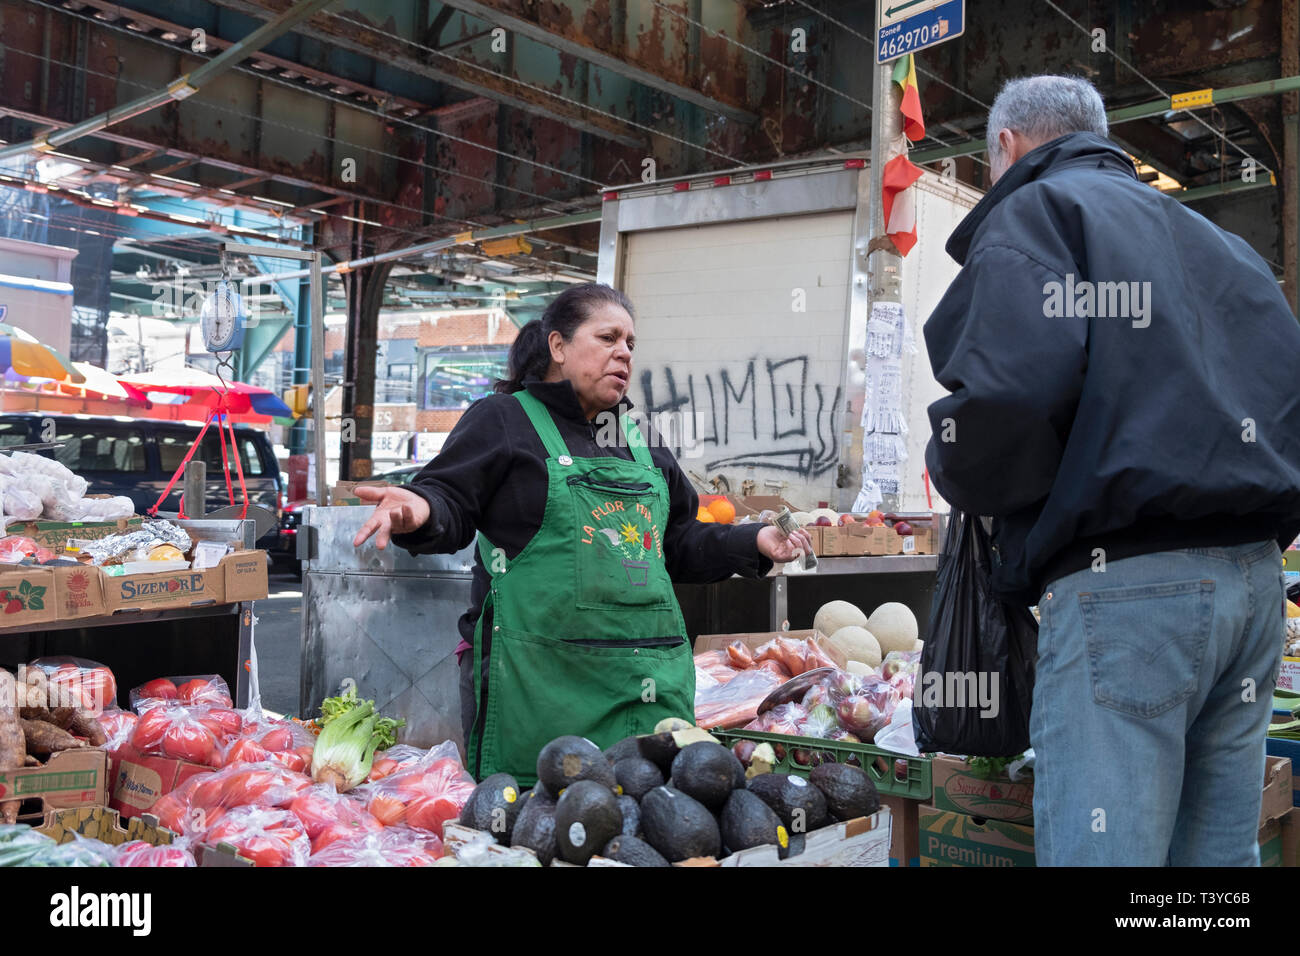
(762, 413)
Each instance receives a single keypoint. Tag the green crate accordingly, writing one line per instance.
(893, 774)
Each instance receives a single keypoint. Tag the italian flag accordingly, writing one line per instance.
(898, 203)
(905, 77)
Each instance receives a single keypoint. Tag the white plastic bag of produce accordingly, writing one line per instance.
(898, 736)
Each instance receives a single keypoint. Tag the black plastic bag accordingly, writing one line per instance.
(976, 683)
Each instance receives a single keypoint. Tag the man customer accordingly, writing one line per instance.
(1125, 404)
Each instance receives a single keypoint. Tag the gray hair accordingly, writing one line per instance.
(1045, 107)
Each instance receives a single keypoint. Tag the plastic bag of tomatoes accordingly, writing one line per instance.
(69, 682)
(330, 817)
(268, 837)
(199, 802)
(194, 734)
(205, 689)
(389, 846)
(139, 853)
(424, 795)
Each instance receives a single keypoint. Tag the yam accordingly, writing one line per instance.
(44, 738)
(85, 725)
(13, 748)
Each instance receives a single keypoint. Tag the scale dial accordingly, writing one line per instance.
(222, 319)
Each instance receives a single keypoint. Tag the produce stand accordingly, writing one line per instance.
(785, 599)
(139, 644)
(384, 619)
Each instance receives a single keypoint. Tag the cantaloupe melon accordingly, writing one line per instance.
(827, 513)
(856, 644)
(834, 615)
(894, 626)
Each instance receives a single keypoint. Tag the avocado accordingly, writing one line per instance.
(708, 772)
(535, 827)
(586, 818)
(633, 852)
(627, 747)
(849, 791)
(631, 816)
(637, 776)
(749, 822)
(494, 806)
(660, 750)
(568, 759)
(800, 805)
(679, 826)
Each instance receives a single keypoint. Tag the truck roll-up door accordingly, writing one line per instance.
(741, 345)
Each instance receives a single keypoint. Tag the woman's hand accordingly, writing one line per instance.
(773, 544)
(397, 511)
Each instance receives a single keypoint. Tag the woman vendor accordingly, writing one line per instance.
(582, 528)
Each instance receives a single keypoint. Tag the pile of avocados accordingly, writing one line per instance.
(652, 801)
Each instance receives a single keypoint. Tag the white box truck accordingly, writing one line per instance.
(751, 297)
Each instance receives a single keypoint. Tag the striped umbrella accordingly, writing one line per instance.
(27, 355)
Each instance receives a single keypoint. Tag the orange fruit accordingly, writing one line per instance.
(723, 511)
(705, 515)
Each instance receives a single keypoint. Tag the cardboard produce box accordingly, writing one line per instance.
(863, 841)
(70, 778)
(955, 839)
(1290, 826)
(138, 780)
(751, 639)
(56, 534)
(958, 789)
(26, 596)
(78, 592)
(1278, 792)
(241, 576)
(103, 824)
(1288, 677)
(904, 836)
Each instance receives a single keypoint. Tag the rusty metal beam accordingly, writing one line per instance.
(578, 39)
(461, 74)
(217, 44)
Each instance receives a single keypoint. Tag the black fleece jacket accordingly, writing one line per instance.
(1172, 424)
(491, 476)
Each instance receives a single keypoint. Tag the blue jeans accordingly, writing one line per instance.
(1151, 704)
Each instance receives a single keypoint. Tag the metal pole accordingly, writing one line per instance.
(195, 488)
(884, 265)
(318, 379)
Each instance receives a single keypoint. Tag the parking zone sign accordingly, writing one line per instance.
(906, 26)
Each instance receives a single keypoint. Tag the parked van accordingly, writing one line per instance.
(136, 457)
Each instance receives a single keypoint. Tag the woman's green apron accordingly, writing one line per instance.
(587, 636)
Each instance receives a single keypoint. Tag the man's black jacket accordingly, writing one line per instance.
(491, 476)
(1173, 424)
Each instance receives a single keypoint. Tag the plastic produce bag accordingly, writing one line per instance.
(139, 853)
(175, 732)
(69, 682)
(118, 726)
(208, 689)
(734, 703)
(267, 837)
(899, 736)
(329, 816)
(974, 638)
(390, 846)
(425, 795)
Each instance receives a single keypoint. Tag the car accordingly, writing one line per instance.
(137, 457)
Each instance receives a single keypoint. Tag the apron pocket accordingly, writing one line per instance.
(543, 688)
(620, 548)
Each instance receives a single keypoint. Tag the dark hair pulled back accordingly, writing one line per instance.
(530, 355)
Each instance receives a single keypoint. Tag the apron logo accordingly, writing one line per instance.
(628, 540)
